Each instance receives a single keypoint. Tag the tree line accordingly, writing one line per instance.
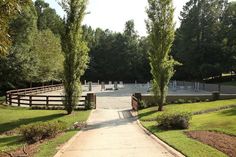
(204, 44)
(35, 54)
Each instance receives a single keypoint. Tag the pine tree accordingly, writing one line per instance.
(75, 51)
(160, 27)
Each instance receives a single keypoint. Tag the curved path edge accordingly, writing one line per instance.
(159, 141)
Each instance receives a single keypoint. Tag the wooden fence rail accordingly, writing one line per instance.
(28, 98)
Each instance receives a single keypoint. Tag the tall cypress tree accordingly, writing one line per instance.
(160, 27)
(75, 51)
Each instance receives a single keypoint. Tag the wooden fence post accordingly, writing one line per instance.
(18, 97)
(47, 102)
(10, 99)
(30, 100)
(91, 99)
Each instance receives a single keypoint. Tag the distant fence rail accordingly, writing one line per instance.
(28, 98)
(35, 90)
(224, 89)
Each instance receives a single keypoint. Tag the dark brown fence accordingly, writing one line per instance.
(29, 98)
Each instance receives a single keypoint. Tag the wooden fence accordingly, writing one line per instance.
(28, 98)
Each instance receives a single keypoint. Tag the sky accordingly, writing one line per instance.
(112, 14)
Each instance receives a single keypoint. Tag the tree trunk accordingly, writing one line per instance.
(162, 99)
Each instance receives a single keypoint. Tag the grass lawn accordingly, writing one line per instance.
(223, 121)
(12, 117)
(49, 149)
(151, 113)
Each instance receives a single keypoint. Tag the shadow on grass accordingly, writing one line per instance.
(15, 124)
(10, 140)
(143, 115)
(231, 112)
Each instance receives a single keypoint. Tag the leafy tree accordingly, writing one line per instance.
(24, 29)
(75, 51)
(113, 54)
(8, 9)
(48, 18)
(47, 49)
(198, 44)
(160, 27)
(228, 37)
(18, 65)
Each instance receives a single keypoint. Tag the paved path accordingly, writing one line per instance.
(113, 132)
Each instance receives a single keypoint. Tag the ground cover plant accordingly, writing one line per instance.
(216, 122)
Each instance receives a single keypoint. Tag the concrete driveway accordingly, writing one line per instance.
(113, 132)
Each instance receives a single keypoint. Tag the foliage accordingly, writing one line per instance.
(170, 121)
(38, 131)
(228, 37)
(8, 9)
(48, 18)
(47, 49)
(75, 51)
(161, 33)
(35, 55)
(198, 42)
(125, 49)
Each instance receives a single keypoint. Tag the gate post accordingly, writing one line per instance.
(91, 99)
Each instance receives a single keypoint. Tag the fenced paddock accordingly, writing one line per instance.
(30, 97)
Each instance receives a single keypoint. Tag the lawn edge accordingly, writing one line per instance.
(70, 141)
(170, 149)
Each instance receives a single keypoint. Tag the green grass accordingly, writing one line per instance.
(49, 149)
(151, 113)
(10, 143)
(222, 121)
(12, 118)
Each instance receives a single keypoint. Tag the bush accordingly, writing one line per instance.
(181, 101)
(38, 131)
(170, 121)
(142, 105)
(189, 101)
(197, 99)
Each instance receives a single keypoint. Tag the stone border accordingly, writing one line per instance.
(170, 149)
(71, 140)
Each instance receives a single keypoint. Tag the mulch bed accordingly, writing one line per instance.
(222, 142)
(26, 151)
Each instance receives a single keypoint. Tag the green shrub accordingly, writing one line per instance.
(170, 121)
(207, 100)
(38, 131)
(197, 99)
(142, 105)
(189, 101)
(181, 101)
